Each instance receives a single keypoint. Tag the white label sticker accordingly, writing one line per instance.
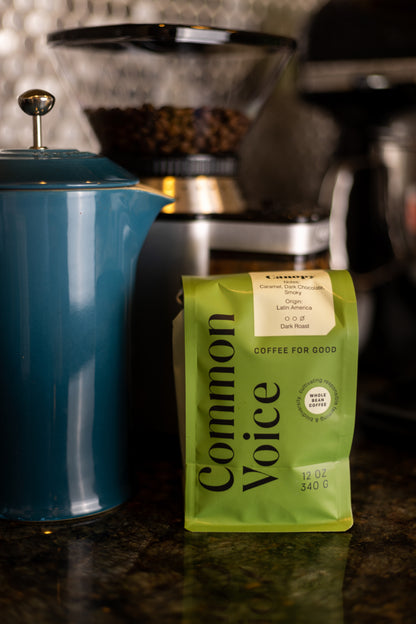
(317, 400)
(292, 303)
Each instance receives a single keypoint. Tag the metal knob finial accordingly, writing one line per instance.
(36, 102)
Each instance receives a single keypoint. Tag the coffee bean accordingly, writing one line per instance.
(148, 131)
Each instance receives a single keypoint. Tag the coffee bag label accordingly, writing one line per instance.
(292, 303)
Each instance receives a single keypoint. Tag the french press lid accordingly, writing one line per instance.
(41, 168)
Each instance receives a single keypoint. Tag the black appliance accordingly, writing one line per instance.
(358, 62)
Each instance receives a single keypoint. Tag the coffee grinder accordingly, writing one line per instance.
(172, 103)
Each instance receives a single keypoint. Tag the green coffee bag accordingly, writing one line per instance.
(266, 400)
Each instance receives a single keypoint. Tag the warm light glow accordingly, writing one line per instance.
(169, 209)
(169, 186)
(205, 194)
(169, 189)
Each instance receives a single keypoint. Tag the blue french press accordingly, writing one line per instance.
(71, 228)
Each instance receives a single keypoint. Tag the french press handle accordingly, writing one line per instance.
(36, 102)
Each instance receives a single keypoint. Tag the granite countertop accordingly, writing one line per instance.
(137, 564)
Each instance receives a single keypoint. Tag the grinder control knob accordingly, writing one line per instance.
(36, 103)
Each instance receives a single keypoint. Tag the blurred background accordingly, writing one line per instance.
(291, 140)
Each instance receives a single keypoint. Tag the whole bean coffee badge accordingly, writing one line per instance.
(317, 400)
